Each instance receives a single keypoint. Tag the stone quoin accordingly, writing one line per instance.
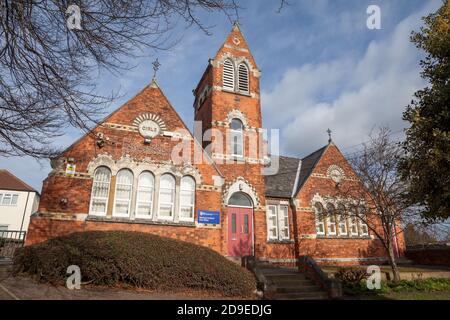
(123, 177)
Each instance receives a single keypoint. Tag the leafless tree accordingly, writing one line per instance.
(379, 201)
(46, 68)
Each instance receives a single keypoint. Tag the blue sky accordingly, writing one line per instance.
(321, 68)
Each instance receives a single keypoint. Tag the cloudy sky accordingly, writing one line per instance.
(321, 68)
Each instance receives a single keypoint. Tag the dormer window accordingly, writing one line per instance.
(228, 75)
(243, 83)
(237, 138)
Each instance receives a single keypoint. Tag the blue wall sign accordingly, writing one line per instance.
(208, 217)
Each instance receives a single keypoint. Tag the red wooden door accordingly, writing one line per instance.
(240, 231)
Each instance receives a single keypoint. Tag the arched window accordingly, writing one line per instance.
(331, 220)
(243, 78)
(240, 199)
(353, 222)
(228, 75)
(342, 220)
(124, 189)
(166, 197)
(320, 224)
(237, 138)
(145, 191)
(187, 198)
(100, 191)
(363, 229)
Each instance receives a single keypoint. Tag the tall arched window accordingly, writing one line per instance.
(228, 75)
(100, 191)
(331, 220)
(124, 189)
(243, 79)
(320, 224)
(353, 222)
(166, 197)
(237, 138)
(342, 220)
(145, 191)
(363, 229)
(187, 198)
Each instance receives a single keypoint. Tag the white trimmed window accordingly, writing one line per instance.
(100, 191)
(8, 199)
(277, 222)
(228, 75)
(363, 229)
(331, 220)
(124, 189)
(353, 223)
(166, 197)
(237, 138)
(272, 222)
(145, 192)
(187, 198)
(342, 220)
(243, 79)
(320, 224)
(283, 222)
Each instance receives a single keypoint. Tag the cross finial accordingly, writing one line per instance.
(156, 66)
(329, 135)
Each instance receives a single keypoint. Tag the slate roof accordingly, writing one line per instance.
(308, 164)
(8, 181)
(283, 183)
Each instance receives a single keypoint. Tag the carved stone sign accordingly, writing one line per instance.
(149, 129)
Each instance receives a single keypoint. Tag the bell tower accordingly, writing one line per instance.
(227, 100)
(227, 103)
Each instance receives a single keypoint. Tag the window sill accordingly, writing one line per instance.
(141, 221)
(344, 237)
(280, 241)
(241, 93)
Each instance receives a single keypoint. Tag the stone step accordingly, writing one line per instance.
(284, 277)
(314, 295)
(301, 289)
(288, 282)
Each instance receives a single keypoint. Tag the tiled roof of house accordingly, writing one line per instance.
(8, 181)
(282, 184)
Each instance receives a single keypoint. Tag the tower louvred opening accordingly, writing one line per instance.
(228, 75)
(243, 78)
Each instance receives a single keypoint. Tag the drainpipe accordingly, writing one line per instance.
(24, 212)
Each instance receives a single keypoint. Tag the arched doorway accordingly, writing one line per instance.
(240, 225)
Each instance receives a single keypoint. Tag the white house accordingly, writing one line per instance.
(18, 201)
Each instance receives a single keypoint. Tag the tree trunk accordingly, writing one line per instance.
(393, 263)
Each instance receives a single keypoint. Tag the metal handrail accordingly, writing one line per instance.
(10, 240)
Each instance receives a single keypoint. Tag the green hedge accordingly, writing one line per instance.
(139, 259)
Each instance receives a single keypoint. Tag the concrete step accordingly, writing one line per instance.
(302, 289)
(314, 295)
(288, 282)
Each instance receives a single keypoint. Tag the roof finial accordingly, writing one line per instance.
(156, 66)
(329, 135)
(236, 24)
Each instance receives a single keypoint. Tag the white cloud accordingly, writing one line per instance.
(348, 96)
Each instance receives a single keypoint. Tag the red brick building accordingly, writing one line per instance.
(141, 169)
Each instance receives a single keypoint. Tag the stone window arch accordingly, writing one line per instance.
(187, 198)
(145, 195)
(123, 194)
(100, 191)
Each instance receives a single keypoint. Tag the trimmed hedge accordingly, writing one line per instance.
(139, 259)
